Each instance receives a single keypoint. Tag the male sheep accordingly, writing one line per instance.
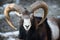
(31, 27)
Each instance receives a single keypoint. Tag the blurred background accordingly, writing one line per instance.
(53, 6)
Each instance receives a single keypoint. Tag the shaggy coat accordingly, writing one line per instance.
(40, 33)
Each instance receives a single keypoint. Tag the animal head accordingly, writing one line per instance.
(26, 14)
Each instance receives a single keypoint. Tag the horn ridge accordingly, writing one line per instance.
(37, 5)
(9, 8)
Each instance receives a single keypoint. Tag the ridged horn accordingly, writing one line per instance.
(37, 5)
(9, 8)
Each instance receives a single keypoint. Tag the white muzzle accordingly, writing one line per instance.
(27, 24)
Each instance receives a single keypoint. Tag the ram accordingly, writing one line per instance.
(31, 27)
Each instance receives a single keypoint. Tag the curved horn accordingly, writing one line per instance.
(37, 5)
(9, 8)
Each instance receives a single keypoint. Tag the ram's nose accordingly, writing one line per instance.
(26, 26)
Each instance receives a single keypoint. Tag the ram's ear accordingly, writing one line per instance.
(9, 8)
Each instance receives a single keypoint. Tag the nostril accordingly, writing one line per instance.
(27, 26)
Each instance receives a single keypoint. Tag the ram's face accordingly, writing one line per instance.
(26, 17)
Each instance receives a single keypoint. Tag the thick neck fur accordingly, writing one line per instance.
(36, 34)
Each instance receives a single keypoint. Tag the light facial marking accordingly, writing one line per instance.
(27, 24)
